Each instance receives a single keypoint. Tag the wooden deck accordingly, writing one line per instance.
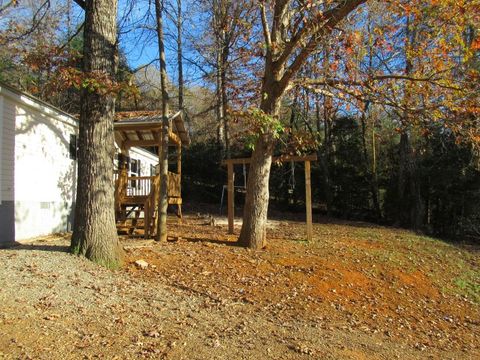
(136, 202)
(136, 197)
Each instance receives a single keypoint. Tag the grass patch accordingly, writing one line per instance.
(468, 284)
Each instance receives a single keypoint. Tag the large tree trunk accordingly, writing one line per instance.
(253, 233)
(163, 158)
(95, 233)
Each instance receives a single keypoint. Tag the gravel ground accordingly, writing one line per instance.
(54, 305)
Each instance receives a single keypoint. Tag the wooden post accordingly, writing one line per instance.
(230, 195)
(157, 195)
(179, 159)
(308, 201)
(179, 172)
(146, 220)
(121, 184)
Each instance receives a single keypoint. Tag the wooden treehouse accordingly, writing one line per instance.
(136, 197)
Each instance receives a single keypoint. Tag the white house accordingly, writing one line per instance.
(38, 167)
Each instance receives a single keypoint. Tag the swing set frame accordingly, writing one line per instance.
(243, 161)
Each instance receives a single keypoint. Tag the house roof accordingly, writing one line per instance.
(35, 102)
(148, 119)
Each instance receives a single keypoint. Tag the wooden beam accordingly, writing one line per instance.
(308, 201)
(137, 127)
(312, 157)
(155, 142)
(230, 196)
(131, 143)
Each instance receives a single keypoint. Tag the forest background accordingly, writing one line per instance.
(390, 102)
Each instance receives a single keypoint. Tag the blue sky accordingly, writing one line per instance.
(141, 46)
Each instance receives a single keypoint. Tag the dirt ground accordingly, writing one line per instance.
(358, 291)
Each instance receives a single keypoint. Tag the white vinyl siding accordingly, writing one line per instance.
(7, 151)
(42, 148)
(45, 176)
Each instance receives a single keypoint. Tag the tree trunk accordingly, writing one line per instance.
(322, 153)
(95, 233)
(375, 189)
(326, 157)
(253, 233)
(219, 107)
(224, 100)
(371, 176)
(411, 206)
(180, 54)
(163, 158)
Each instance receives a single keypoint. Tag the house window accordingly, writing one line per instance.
(134, 167)
(73, 147)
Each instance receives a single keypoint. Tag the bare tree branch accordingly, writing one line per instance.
(333, 82)
(141, 67)
(266, 30)
(328, 22)
(80, 28)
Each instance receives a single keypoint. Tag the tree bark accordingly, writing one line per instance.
(253, 233)
(95, 234)
(326, 158)
(224, 100)
(163, 158)
(219, 107)
(180, 54)
(370, 173)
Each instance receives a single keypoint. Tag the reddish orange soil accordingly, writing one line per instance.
(368, 278)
